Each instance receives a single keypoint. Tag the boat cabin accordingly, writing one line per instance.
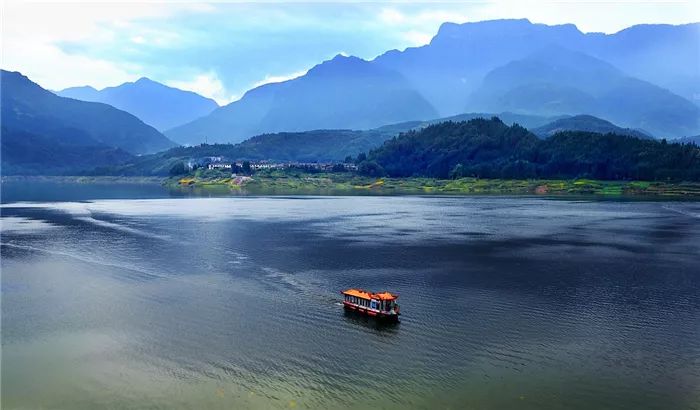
(381, 305)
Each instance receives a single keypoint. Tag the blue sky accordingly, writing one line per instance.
(222, 49)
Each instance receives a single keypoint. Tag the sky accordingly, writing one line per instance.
(221, 49)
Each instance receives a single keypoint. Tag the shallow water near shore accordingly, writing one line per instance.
(521, 303)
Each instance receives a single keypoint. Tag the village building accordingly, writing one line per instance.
(220, 166)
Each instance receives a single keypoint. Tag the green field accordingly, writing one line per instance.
(285, 183)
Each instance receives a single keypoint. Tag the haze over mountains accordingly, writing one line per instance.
(155, 104)
(42, 131)
(345, 92)
(545, 78)
(555, 80)
(490, 66)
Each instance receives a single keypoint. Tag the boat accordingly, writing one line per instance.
(381, 305)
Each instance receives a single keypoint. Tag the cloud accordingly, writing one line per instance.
(279, 78)
(222, 49)
(391, 16)
(208, 85)
(34, 35)
(417, 38)
(53, 69)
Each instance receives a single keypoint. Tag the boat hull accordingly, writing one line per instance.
(379, 315)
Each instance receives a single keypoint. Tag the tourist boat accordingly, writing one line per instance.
(380, 305)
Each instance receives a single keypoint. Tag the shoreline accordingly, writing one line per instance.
(323, 184)
(345, 184)
(81, 179)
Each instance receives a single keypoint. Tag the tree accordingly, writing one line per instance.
(178, 168)
(371, 168)
(246, 167)
(490, 149)
(457, 171)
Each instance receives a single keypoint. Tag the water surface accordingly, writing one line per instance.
(518, 303)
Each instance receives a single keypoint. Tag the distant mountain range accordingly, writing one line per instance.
(460, 56)
(555, 80)
(345, 92)
(643, 81)
(155, 104)
(45, 133)
(644, 77)
(587, 123)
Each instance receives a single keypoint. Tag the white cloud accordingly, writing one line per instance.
(104, 43)
(417, 38)
(32, 33)
(279, 78)
(53, 69)
(391, 16)
(208, 85)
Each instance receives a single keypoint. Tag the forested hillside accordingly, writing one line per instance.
(491, 149)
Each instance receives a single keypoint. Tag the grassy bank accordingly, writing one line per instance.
(79, 179)
(351, 184)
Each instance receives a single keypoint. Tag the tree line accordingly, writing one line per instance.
(488, 148)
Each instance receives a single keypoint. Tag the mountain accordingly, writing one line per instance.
(663, 54)
(653, 66)
(155, 104)
(448, 69)
(303, 146)
(688, 140)
(587, 123)
(25, 153)
(84, 93)
(491, 149)
(345, 92)
(35, 120)
(555, 80)
(457, 59)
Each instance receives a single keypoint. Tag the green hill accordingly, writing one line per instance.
(587, 123)
(307, 146)
(491, 149)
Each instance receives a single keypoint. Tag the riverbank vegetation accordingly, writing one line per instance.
(346, 183)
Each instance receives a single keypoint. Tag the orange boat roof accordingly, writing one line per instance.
(369, 295)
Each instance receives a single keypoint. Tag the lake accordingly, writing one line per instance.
(507, 303)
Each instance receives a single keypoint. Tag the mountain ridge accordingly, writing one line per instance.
(326, 97)
(556, 80)
(35, 120)
(156, 104)
(440, 77)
